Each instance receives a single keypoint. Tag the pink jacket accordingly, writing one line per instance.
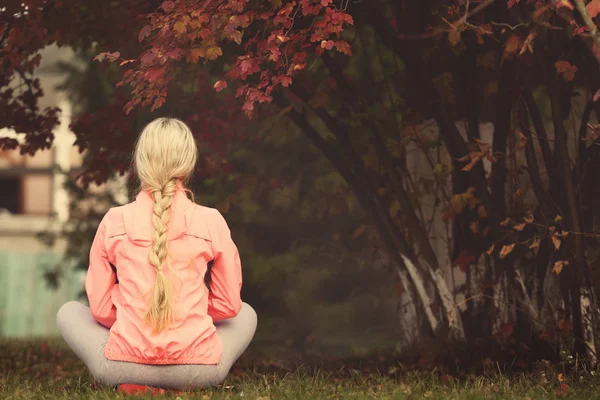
(196, 236)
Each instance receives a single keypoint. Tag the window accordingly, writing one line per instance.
(11, 194)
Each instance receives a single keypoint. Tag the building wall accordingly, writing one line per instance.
(35, 184)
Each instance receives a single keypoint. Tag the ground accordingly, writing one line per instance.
(48, 370)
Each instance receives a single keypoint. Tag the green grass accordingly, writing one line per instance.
(40, 370)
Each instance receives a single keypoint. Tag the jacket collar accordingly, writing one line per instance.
(138, 216)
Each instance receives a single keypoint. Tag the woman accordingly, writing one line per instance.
(152, 320)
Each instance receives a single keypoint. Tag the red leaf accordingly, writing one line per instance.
(343, 47)
(154, 74)
(168, 6)
(220, 85)
(463, 260)
(512, 3)
(327, 44)
(566, 69)
(286, 81)
(147, 58)
(593, 8)
(145, 31)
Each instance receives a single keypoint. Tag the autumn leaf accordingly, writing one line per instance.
(566, 69)
(563, 390)
(213, 53)
(565, 326)
(593, 8)
(454, 37)
(481, 212)
(474, 227)
(505, 222)
(512, 46)
(529, 219)
(236, 36)
(528, 43)
(144, 32)
(558, 266)
(540, 11)
(343, 47)
(535, 244)
(520, 227)
(168, 6)
(490, 250)
(195, 54)
(179, 27)
(220, 85)
(512, 3)
(463, 260)
(556, 242)
(506, 250)
(327, 44)
(359, 231)
(394, 208)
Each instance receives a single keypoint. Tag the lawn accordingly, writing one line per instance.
(48, 370)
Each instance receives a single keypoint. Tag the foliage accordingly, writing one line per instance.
(520, 205)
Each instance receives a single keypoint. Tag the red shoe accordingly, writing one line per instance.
(134, 390)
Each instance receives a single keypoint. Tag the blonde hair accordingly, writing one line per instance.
(165, 156)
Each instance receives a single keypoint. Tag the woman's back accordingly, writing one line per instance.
(196, 235)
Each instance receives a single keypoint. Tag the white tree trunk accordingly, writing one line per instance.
(587, 319)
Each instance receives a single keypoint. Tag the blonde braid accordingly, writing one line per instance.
(160, 313)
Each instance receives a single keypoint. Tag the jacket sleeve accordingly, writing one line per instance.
(100, 280)
(224, 299)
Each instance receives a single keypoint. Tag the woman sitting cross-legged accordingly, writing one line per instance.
(152, 320)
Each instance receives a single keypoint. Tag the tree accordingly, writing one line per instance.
(358, 80)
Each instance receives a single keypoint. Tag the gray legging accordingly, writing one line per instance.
(87, 338)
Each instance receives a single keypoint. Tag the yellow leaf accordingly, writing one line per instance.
(454, 37)
(456, 201)
(556, 242)
(474, 227)
(481, 212)
(557, 219)
(558, 266)
(512, 46)
(213, 53)
(196, 54)
(394, 208)
(506, 250)
(359, 231)
(535, 244)
(519, 227)
(237, 36)
(179, 27)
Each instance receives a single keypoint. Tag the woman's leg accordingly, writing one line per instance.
(87, 338)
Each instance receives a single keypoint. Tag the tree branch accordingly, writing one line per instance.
(589, 22)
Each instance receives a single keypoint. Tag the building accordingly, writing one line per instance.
(32, 200)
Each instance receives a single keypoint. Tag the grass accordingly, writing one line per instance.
(48, 370)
